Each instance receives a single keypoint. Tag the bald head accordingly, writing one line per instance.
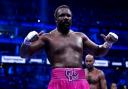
(89, 61)
(113, 86)
(89, 56)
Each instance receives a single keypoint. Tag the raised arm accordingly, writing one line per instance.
(100, 50)
(32, 43)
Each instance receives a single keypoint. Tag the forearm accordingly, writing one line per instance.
(28, 48)
(32, 43)
(103, 49)
(25, 50)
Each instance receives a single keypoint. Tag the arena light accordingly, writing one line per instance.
(18, 59)
(116, 64)
(102, 63)
(35, 60)
(12, 59)
(126, 64)
(47, 61)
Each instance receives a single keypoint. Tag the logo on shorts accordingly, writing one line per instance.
(71, 74)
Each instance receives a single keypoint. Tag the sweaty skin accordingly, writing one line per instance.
(63, 46)
(64, 51)
(95, 77)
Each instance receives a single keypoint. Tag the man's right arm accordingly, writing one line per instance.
(100, 50)
(103, 82)
(32, 43)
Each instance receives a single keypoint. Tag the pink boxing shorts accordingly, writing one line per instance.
(68, 78)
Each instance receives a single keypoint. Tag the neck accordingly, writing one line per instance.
(63, 30)
(90, 69)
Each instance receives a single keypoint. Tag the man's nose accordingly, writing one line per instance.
(87, 63)
(66, 17)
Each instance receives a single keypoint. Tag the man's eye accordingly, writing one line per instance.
(68, 15)
(61, 15)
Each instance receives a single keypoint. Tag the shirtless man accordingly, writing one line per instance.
(113, 86)
(64, 49)
(95, 77)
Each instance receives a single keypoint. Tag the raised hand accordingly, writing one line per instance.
(32, 36)
(111, 37)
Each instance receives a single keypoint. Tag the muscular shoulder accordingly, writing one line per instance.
(100, 72)
(84, 36)
(44, 37)
(79, 33)
(52, 32)
(48, 34)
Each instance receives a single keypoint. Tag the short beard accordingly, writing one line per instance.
(64, 28)
(90, 67)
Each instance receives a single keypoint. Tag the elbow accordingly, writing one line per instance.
(101, 52)
(24, 51)
(25, 54)
(22, 54)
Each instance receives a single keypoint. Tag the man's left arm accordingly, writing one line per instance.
(100, 50)
(103, 82)
(110, 39)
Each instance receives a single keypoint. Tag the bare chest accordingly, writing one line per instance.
(93, 77)
(64, 42)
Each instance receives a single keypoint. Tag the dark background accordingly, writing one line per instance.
(92, 17)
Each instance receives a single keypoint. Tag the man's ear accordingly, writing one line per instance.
(56, 20)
